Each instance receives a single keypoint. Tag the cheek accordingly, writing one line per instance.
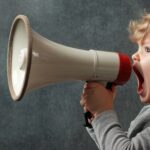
(146, 71)
(145, 63)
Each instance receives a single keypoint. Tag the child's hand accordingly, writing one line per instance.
(96, 98)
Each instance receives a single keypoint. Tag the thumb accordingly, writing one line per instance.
(91, 84)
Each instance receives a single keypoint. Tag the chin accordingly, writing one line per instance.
(144, 101)
(145, 98)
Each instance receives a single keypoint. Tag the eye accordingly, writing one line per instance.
(147, 49)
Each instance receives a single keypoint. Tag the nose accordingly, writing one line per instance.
(136, 56)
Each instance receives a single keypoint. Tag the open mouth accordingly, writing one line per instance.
(138, 72)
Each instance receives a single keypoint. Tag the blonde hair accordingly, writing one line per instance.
(138, 29)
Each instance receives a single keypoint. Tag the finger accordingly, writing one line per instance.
(86, 91)
(85, 85)
(83, 92)
(92, 84)
(82, 102)
(85, 109)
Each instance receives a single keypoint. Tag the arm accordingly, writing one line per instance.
(93, 136)
(106, 127)
(110, 136)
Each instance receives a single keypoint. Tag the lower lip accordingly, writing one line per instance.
(140, 91)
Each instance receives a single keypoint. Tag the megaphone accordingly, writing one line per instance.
(34, 61)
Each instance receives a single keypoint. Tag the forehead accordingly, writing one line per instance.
(146, 39)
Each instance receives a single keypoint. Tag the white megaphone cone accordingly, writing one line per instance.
(34, 62)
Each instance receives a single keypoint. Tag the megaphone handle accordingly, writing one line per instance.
(88, 115)
(109, 85)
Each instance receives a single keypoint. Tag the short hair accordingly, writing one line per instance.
(138, 29)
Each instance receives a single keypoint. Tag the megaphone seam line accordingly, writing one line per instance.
(94, 53)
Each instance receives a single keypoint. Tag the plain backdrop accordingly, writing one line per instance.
(51, 118)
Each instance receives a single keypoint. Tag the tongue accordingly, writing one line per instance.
(140, 79)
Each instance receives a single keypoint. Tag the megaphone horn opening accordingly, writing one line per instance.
(19, 56)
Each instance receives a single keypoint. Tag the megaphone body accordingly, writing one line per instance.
(34, 62)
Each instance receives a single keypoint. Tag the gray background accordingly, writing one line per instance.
(51, 117)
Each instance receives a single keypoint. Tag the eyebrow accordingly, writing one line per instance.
(145, 42)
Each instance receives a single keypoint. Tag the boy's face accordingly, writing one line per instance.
(141, 67)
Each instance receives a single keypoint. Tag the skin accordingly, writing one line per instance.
(142, 55)
(97, 99)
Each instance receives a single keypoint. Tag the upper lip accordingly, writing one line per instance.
(139, 74)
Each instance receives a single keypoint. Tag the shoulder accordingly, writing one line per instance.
(145, 110)
(141, 122)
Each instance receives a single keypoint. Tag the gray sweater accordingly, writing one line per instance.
(108, 134)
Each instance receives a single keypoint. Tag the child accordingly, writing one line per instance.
(106, 130)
